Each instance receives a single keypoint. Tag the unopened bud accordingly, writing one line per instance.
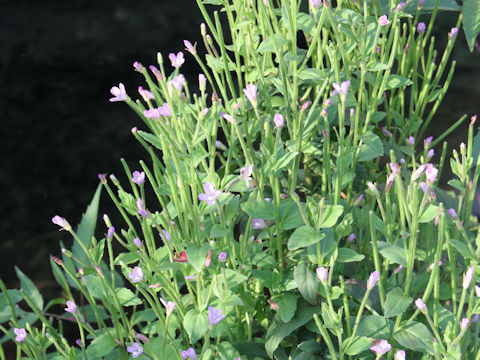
(57, 260)
(159, 58)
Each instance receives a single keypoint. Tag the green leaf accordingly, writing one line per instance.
(251, 349)
(358, 345)
(397, 81)
(471, 21)
(101, 346)
(30, 289)
(152, 139)
(307, 282)
(394, 253)
(429, 5)
(227, 351)
(476, 147)
(313, 75)
(197, 255)
(278, 330)
(371, 148)
(376, 66)
(290, 216)
(396, 303)
(327, 246)
(462, 249)
(430, 213)
(5, 310)
(234, 278)
(373, 326)
(287, 305)
(346, 255)
(196, 324)
(330, 215)
(415, 336)
(127, 297)
(259, 209)
(284, 161)
(86, 228)
(267, 45)
(304, 236)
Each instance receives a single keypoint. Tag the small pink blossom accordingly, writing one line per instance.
(380, 347)
(251, 93)
(322, 274)
(400, 355)
(258, 223)
(421, 305)
(135, 349)
(453, 32)
(278, 120)
(58, 220)
(468, 276)
(383, 20)
(192, 49)
(138, 177)
(20, 333)
(71, 307)
(119, 93)
(210, 195)
(372, 280)
(342, 88)
(178, 82)
(136, 275)
(176, 60)
(246, 174)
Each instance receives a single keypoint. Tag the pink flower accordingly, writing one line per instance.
(138, 177)
(372, 280)
(468, 276)
(400, 355)
(136, 275)
(453, 32)
(202, 80)
(229, 118)
(119, 93)
(165, 110)
(246, 174)
(178, 82)
(383, 20)
(322, 275)
(177, 60)
(400, 6)
(421, 27)
(189, 354)
(215, 315)
(421, 305)
(258, 223)
(464, 323)
(58, 220)
(169, 306)
(136, 349)
(210, 194)
(431, 173)
(71, 307)
(380, 347)
(251, 93)
(192, 49)
(20, 333)
(315, 3)
(278, 120)
(342, 88)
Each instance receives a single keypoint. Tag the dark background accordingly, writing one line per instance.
(58, 61)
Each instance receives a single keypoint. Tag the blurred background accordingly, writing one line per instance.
(58, 61)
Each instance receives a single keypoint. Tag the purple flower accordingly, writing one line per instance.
(141, 337)
(141, 209)
(138, 67)
(400, 355)
(178, 82)
(192, 49)
(315, 3)
(477, 290)
(110, 232)
(351, 237)
(246, 174)
(430, 154)
(78, 342)
(421, 27)
(222, 256)
(359, 199)
(137, 242)
(165, 236)
(431, 173)
(165, 110)
(421, 305)
(424, 186)
(20, 333)
(138, 177)
(214, 316)
(383, 20)
(342, 88)
(428, 141)
(201, 82)
(136, 275)
(464, 323)
(411, 140)
(169, 306)
(71, 307)
(372, 280)
(152, 113)
(210, 194)
(119, 93)
(156, 72)
(258, 223)
(135, 350)
(145, 94)
(453, 32)
(58, 220)
(278, 120)
(468, 276)
(189, 354)
(229, 118)
(400, 6)
(322, 275)
(251, 93)
(452, 213)
(398, 269)
(420, 2)
(177, 60)
(380, 347)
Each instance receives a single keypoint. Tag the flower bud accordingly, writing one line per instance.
(421, 305)
(322, 275)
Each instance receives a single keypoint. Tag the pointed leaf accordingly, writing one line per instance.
(304, 236)
(196, 324)
(415, 336)
(471, 21)
(287, 305)
(196, 255)
(101, 346)
(307, 282)
(30, 289)
(396, 303)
